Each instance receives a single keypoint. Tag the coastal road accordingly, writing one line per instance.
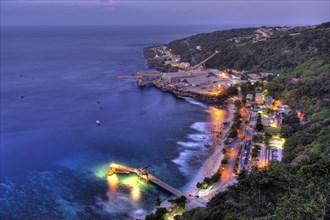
(228, 175)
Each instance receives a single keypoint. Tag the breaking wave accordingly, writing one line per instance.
(194, 101)
(194, 149)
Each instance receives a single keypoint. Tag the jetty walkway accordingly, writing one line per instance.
(143, 174)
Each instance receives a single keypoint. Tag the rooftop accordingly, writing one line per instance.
(198, 80)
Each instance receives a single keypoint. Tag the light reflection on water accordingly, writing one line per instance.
(217, 118)
(113, 182)
(136, 186)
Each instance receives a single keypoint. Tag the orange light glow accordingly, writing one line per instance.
(217, 90)
(275, 104)
(113, 182)
(217, 118)
(135, 193)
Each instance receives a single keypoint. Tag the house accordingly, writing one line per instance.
(252, 123)
(249, 97)
(278, 118)
(254, 76)
(269, 101)
(196, 81)
(284, 109)
(295, 80)
(259, 98)
(254, 116)
(248, 134)
(199, 47)
(265, 74)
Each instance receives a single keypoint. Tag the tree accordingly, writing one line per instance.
(224, 161)
(233, 133)
(180, 201)
(158, 201)
(259, 125)
(160, 212)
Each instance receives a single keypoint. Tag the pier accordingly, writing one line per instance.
(147, 78)
(143, 174)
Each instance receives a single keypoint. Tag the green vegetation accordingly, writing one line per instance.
(299, 187)
(233, 133)
(255, 151)
(283, 191)
(158, 201)
(180, 201)
(259, 125)
(258, 138)
(208, 181)
(322, 114)
(158, 215)
(238, 51)
(272, 130)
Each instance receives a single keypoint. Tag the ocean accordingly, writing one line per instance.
(55, 83)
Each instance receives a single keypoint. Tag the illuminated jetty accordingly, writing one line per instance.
(143, 174)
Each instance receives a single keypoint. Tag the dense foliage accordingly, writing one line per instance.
(283, 50)
(299, 187)
(283, 191)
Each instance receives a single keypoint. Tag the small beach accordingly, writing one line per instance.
(212, 164)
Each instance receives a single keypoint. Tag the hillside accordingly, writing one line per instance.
(257, 48)
(299, 186)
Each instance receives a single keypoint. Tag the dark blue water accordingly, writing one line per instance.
(55, 83)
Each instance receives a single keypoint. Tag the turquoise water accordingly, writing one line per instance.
(55, 83)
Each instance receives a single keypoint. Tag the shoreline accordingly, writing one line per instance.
(213, 162)
(210, 166)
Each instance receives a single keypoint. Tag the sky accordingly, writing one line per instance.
(157, 12)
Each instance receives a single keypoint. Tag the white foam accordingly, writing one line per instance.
(189, 144)
(182, 160)
(203, 138)
(202, 127)
(194, 102)
(194, 149)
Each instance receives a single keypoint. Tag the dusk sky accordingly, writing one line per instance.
(235, 13)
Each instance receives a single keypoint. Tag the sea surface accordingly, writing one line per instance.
(55, 83)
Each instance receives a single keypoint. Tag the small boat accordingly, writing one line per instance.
(98, 122)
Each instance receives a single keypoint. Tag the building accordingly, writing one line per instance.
(278, 118)
(284, 109)
(198, 73)
(269, 101)
(252, 124)
(174, 76)
(248, 134)
(254, 115)
(184, 65)
(259, 98)
(254, 76)
(196, 81)
(265, 74)
(249, 97)
(295, 80)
